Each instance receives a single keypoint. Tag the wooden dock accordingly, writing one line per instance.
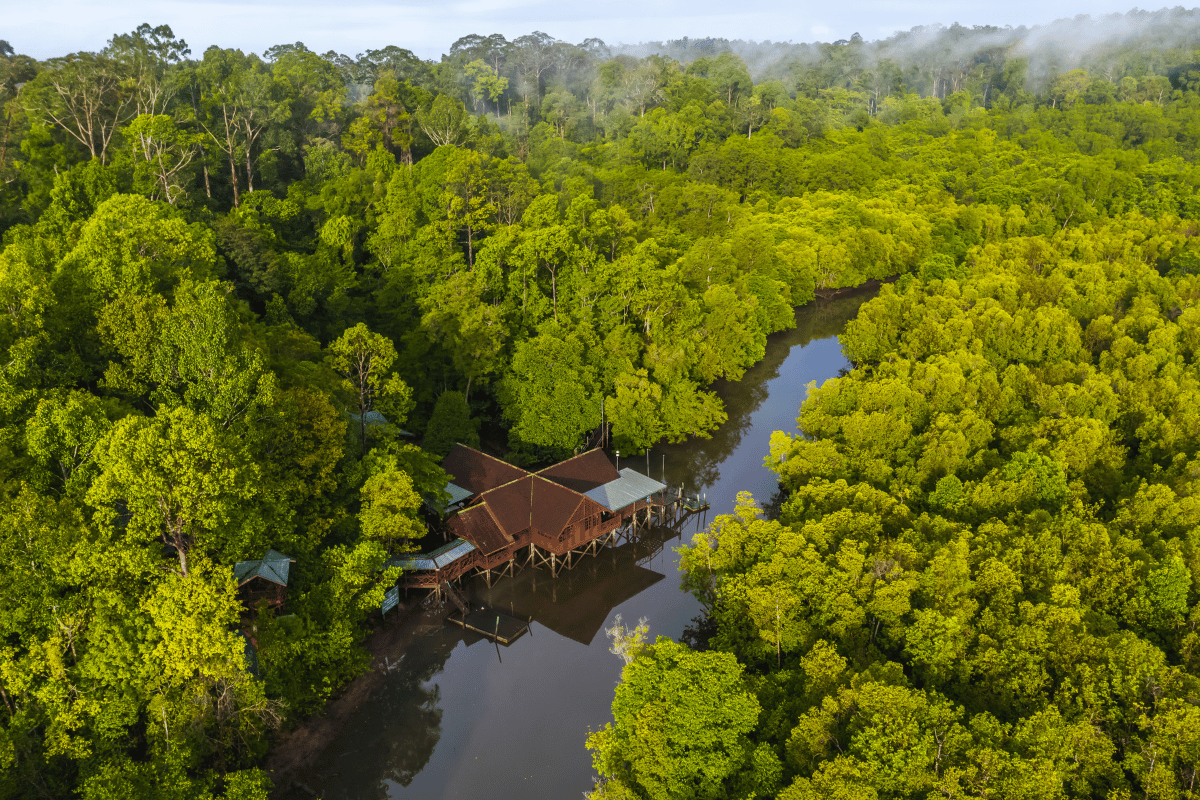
(491, 624)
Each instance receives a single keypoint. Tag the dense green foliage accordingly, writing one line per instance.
(983, 579)
(227, 284)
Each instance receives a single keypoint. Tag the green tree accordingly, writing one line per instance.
(389, 507)
(364, 360)
(179, 479)
(681, 729)
(450, 424)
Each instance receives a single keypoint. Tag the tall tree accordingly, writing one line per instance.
(364, 360)
(234, 108)
(88, 96)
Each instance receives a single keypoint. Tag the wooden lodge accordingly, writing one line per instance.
(502, 515)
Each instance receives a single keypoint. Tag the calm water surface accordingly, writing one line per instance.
(462, 718)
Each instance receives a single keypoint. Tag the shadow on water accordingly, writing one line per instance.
(459, 717)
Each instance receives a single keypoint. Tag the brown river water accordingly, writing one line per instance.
(459, 717)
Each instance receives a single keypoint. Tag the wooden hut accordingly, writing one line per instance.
(264, 579)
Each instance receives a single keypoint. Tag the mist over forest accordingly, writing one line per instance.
(249, 302)
(1101, 45)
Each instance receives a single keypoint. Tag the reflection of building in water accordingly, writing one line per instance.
(577, 604)
(503, 516)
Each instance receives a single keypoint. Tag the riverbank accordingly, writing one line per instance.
(291, 751)
(462, 718)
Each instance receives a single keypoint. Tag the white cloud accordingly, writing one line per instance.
(428, 27)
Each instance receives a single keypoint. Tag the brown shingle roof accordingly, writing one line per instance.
(511, 505)
(553, 506)
(535, 502)
(477, 525)
(505, 508)
(584, 472)
(478, 472)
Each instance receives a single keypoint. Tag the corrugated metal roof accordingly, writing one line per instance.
(415, 563)
(452, 552)
(626, 490)
(444, 556)
(274, 567)
(457, 493)
(478, 472)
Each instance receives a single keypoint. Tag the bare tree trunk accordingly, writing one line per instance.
(233, 177)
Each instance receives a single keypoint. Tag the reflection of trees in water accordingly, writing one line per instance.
(698, 460)
(774, 505)
(422, 728)
(393, 737)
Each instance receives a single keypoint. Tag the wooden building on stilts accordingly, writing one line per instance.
(504, 517)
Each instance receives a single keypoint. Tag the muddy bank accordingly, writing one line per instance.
(293, 750)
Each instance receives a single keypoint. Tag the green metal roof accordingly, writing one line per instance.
(376, 419)
(273, 567)
(457, 493)
(446, 554)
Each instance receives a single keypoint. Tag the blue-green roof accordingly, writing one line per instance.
(375, 419)
(457, 493)
(444, 555)
(625, 490)
(274, 567)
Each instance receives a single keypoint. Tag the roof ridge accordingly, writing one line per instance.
(558, 485)
(495, 520)
(486, 492)
(566, 460)
(493, 458)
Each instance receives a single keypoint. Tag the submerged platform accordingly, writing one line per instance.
(490, 623)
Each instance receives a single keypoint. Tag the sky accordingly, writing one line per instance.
(428, 27)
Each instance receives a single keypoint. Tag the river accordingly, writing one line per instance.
(459, 717)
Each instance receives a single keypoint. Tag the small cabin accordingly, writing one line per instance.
(264, 579)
